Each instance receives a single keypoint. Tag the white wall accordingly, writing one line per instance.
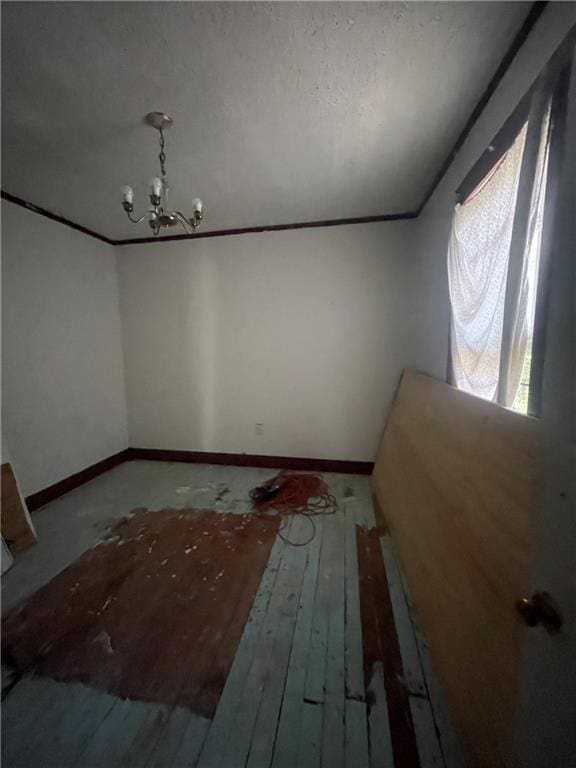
(430, 290)
(303, 331)
(63, 395)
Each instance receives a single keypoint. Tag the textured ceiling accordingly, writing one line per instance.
(283, 112)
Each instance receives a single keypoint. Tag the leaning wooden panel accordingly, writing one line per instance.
(456, 480)
(15, 524)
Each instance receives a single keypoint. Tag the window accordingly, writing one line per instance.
(498, 252)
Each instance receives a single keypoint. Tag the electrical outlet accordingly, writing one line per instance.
(259, 428)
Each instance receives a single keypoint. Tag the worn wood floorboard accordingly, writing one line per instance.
(80, 710)
(310, 745)
(112, 742)
(292, 713)
(316, 668)
(265, 729)
(382, 656)
(353, 630)
(429, 749)
(22, 708)
(449, 740)
(295, 696)
(356, 753)
(413, 674)
(170, 738)
(217, 740)
(271, 645)
(335, 681)
(380, 738)
(357, 748)
(190, 746)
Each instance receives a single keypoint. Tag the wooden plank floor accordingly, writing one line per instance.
(295, 695)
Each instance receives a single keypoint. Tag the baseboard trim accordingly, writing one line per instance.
(46, 495)
(254, 460)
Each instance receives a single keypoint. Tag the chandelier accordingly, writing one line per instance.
(159, 215)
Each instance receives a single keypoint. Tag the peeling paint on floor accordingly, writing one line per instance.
(156, 617)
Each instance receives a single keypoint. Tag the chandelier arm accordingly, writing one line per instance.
(185, 223)
(155, 221)
(137, 221)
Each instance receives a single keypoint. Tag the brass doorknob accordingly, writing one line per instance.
(540, 609)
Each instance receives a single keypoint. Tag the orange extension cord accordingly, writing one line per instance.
(299, 493)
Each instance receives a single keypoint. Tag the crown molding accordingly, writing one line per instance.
(273, 228)
(55, 217)
(211, 233)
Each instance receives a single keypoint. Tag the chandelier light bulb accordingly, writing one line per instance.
(127, 194)
(156, 186)
(197, 205)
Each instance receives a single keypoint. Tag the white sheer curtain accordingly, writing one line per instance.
(487, 295)
(478, 256)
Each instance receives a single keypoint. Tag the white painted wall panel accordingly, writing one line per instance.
(63, 394)
(303, 331)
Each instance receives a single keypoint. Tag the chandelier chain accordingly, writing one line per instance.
(162, 155)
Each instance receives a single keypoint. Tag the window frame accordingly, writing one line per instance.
(554, 81)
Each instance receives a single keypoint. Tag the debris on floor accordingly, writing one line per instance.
(223, 491)
(348, 493)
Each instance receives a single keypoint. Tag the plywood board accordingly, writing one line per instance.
(17, 530)
(6, 558)
(456, 479)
